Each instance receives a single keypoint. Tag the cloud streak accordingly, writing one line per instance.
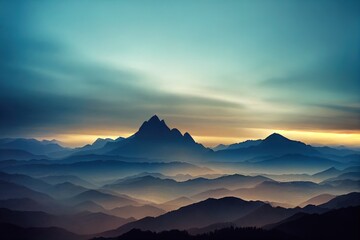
(210, 76)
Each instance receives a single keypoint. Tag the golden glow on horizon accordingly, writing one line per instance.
(79, 140)
(351, 139)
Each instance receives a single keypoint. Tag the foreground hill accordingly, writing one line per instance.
(347, 200)
(198, 214)
(14, 232)
(80, 223)
(337, 224)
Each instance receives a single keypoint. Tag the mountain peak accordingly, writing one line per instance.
(154, 118)
(153, 127)
(276, 137)
(188, 137)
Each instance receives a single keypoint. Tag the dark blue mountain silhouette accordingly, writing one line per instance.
(14, 232)
(96, 145)
(336, 224)
(195, 215)
(274, 145)
(245, 144)
(80, 223)
(31, 145)
(347, 200)
(155, 139)
(8, 154)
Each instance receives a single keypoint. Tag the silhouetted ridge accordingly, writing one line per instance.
(155, 139)
(153, 128)
(188, 137)
(275, 137)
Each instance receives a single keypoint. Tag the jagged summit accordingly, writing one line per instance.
(155, 139)
(153, 127)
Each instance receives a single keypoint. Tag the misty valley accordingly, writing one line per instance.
(160, 183)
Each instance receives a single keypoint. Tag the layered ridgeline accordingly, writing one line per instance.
(154, 140)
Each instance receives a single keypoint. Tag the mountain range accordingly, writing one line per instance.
(155, 141)
(162, 184)
(213, 214)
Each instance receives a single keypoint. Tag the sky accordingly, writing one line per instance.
(225, 71)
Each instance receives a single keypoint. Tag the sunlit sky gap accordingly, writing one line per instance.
(225, 71)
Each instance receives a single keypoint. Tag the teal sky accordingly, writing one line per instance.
(222, 70)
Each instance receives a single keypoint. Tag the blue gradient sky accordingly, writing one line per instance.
(223, 70)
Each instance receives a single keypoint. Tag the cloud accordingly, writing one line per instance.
(338, 75)
(45, 87)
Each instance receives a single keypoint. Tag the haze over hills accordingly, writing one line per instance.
(155, 140)
(302, 226)
(179, 120)
(195, 215)
(159, 179)
(31, 145)
(167, 189)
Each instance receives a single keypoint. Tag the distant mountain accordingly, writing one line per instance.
(294, 192)
(32, 146)
(97, 169)
(99, 143)
(337, 224)
(15, 154)
(328, 173)
(136, 211)
(163, 189)
(245, 144)
(89, 206)
(273, 145)
(195, 215)
(220, 147)
(104, 199)
(65, 190)
(140, 175)
(346, 175)
(213, 193)
(298, 162)
(24, 180)
(336, 151)
(22, 204)
(155, 139)
(57, 179)
(176, 203)
(11, 190)
(317, 200)
(277, 145)
(347, 185)
(348, 200)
